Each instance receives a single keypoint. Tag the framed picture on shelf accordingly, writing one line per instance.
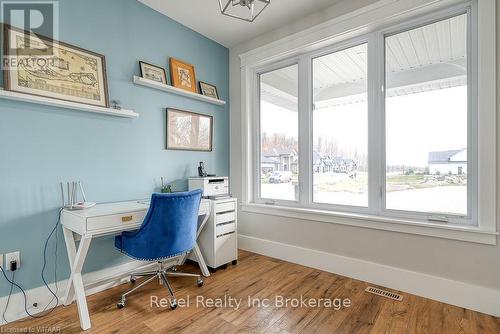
(208, 90)
(182, 75)
(153, 72)
(189, 131)
(45, 67)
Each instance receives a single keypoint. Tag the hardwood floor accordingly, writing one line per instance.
(262, 277)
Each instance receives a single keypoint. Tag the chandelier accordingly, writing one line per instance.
(246, 10)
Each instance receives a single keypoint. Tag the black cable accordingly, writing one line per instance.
(22, 290)
(45, 263)
(8, 299)
(42, 274)
(55, 272)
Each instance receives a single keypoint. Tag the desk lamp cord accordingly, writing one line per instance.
(54, 294)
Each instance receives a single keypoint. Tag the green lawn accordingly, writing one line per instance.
(338, 182)
(341, 182)
(265, 179)
(329, 182)
(419, 181)
(400, 181)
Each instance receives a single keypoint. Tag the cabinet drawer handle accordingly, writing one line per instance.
(126, 219)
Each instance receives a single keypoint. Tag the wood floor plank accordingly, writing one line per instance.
(315, 285)
(486, 324)
(362, 320)
(264, 278)
(400, 313)
(328, 320)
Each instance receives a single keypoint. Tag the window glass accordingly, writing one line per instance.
(340, 128)
(279, 155)
(426, 118)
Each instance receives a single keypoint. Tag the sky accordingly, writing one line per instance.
(416, 124)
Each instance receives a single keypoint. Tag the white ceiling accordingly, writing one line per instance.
(204, 17)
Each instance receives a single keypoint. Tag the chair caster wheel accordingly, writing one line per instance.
(120, 305)
(235, 262)
(199, 282)
(173, 305)
(174, 269)
(133, 279)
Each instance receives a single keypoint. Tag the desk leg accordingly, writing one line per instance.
(71, 250)
(201, 261)
(75, 282)
(70, 245)
(197, 251)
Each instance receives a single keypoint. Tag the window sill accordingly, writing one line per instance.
(446, 231)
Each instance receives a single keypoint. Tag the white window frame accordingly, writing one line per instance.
(364, 39)
(257, 138)
(376, 216)
(472, 173)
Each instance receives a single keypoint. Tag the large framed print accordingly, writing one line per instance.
(189, 131)
(41, 66)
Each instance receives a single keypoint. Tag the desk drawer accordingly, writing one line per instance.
(225, 228)
(115, 221)
(225, 217)
(224, 207)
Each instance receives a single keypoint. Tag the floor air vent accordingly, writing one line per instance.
(384, 293)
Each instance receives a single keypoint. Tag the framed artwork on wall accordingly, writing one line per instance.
(182, 75)
(40, 66)
(189, 131)
(208, 90)
(153, 72)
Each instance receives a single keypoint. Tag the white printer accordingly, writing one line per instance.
(211, 186)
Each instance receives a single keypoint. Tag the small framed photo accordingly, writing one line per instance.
(189, 131)
(153, 72)
(208, 90)
(182, 75)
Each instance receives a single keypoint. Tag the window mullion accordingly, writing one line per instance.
(472, 121)
(305, 131)
(376, 151)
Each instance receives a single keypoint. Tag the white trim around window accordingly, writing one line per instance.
(371, 25)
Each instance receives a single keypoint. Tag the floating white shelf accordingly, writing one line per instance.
(5, 94)
(174, 90)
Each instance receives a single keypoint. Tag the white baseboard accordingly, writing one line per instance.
(96, 281)
(448, 291)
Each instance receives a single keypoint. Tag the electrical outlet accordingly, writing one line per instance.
(14, 256)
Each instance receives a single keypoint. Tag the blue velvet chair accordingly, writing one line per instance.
(167, 234)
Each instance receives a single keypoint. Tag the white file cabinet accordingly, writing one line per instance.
(219, 238)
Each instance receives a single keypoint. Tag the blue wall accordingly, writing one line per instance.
(116, 159)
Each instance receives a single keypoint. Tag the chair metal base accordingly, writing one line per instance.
(161, 273)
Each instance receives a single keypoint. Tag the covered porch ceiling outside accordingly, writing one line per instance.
(422, 59)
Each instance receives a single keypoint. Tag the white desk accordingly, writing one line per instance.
(101, 220)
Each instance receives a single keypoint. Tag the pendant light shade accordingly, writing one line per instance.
(246, 10)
